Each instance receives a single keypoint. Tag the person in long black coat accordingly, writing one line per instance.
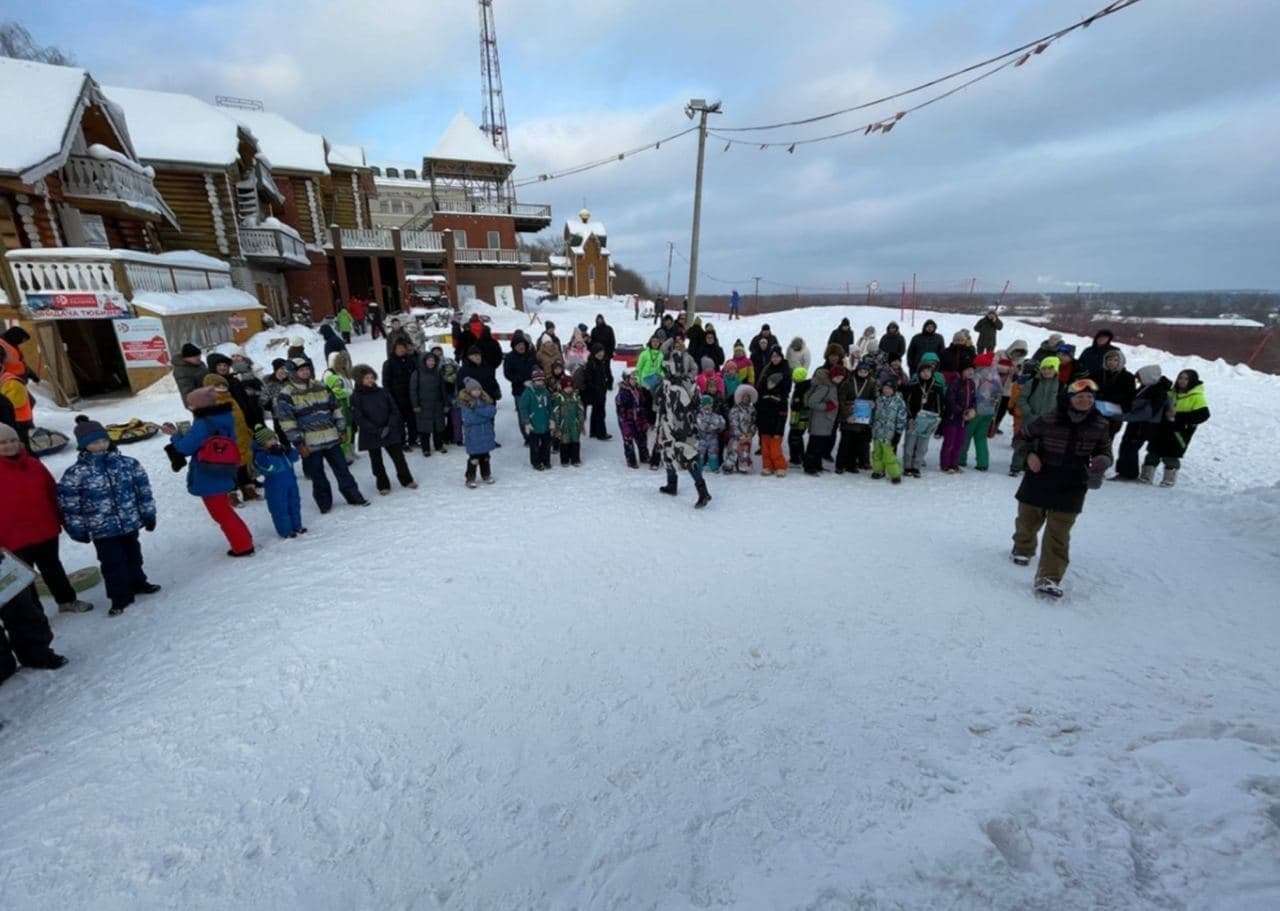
(430, 403)
(517, 367)
(597, 380)
(842, 335)
(475, 366)
(602, 334)
(893, 343)
(379, 426)
(397, 376)
(711, 348)
(924, 341)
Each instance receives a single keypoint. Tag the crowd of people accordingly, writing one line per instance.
(872, 404)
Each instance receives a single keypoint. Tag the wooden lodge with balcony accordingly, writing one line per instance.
(82, 227)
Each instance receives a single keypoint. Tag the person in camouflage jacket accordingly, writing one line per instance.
(677, 421)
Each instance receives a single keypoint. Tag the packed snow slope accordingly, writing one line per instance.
(568, 691)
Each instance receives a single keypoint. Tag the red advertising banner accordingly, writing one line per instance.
(78, 305)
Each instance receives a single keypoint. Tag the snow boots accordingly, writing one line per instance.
(1047, 588)
(1170, 477)
(75, 607)
(703, 497)
(671, 488)
(1148, 474)
(1020, 559)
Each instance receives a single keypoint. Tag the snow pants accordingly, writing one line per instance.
(975, 432)
(44, 557)
(321, 492)
(284, 502)
(952, 446)
(1055, 555)
(540, 449)
(221, 511)
(24, 632)
(737, 456)
(795, 445)
(884, 459)
(629, 445)
(855, 447)
(1136, 435)
(570, 453)
(771, 454)
(818, 446)
(480, 462)
(708, 452)
(403, 475)
(915, 442)
(121, 559)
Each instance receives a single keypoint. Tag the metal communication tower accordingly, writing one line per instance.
(494, 122)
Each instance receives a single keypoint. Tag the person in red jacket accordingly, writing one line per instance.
(29, 522)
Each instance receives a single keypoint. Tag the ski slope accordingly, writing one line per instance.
(568, 691)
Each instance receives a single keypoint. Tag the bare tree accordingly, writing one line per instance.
(16, 42)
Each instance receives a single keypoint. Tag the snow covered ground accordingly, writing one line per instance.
(567, 691)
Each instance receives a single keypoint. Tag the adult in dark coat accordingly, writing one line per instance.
(955, 357)
(1116, 385)
(926, 340)
(430, 403)
(1143, 419)
(842, 335)
(1067, 451)
(250, 406)
(397, 376)
(893, 343)
(379, 425)
(987, 327)
(189, 370)
(597, 381)
(602, 334)
(695, 339)
(332, 340)
(475, 366)
(477, 334)
(517, 367)
(711, 348)
(774, 386)
(760, 353)
(765, 332)
(1093, 360)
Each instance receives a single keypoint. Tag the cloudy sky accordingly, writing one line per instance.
(1141, 153)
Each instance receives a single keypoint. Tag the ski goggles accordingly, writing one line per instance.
(1080, 386)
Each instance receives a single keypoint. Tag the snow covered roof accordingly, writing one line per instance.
(559, 261)
(288, 146)
(345, 156)
(168, 126)
(194, 303)
(463, 141)
(40, 110)
(591, 228)
(177, 258)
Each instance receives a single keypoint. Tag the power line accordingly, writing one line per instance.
(601, 162)
(1031, 47)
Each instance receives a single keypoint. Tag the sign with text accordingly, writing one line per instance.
(78, 305)
(142, 342)
(237, 323)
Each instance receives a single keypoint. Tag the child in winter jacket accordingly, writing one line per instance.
(822, 400)
(535, 408)
(1188, 409)
(988, 390)
(857, 398)
(284, 500)
(379, 426)
(449, 373)
(798, 421)
(1143, 420)
(633, 422)
(105, 497)
(478, 411)
(926, 398)
(1038, 396)
(742, 429)
(737, 370)
(886, 429)
(711, 383)
(709, 424)
(566, 422)
(337, 377)
(957, 412)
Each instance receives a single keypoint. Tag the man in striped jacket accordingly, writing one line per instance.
(311, 418)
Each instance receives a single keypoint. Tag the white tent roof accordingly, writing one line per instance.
(194, 303)
(285, 144)
(39, 113)
(463, 141)
(167, 126)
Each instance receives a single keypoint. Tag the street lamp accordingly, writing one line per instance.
(697, 106)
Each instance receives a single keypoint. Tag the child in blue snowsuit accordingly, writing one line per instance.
(280, 483)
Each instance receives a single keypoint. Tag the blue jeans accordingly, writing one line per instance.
(320, 489)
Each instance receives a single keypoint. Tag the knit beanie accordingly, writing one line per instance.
(739, 348)
(8, 434)
(264, 435)
(537, 374)
(472, 385)
(88, 432)
(1051, 362)
(1150, 374)
(204, 397)
(189, 350)
(298, 363)
(215, 379)
(799, 375)
(278, 363)
(708, 364)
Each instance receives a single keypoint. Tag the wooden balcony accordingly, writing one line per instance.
(84, 270)
(528, 216)
(422, 241)
(273, 246)
(106, 186)
(366, 239)
(487, 256)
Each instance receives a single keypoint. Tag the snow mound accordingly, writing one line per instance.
(265, 346)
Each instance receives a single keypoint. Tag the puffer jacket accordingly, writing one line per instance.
(397, 377)
(376, 417)
(677, 410)
(771, 411)
(517, 367)
(632, 419)
(477, 422)
(188, 377)
(798, 354)
(566, 417)
(105, 495)
(1038, 397)
(649, 368)
(988, 389)
(535, 405)
(1065, 445)
(428, 399)
(1190, 410)
(215, 421)
(742, 416)
(798, 419)
(30, 497)
(309, 415)
(890, 418)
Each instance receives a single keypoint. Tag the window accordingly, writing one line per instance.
(410, 174)
(591, 273)
(393, 172)
(495, 240)
(396, 206)
(377, 171)
(384, 207)
(459, 239)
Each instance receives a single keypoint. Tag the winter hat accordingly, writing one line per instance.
(537, 374)
(873, 347)
(1054, 341)
(204, 397)
(296, 342)
(216, 380)
(474, 349)
(706, 401)
(582, 327)
(985, 359)
(836, 349)
(264, 435)
(1150, 374)
(298, 363)
(8, 434)
(836, 373)
(360, 371)
(472, 385)
(891, 325)
(189, 350)
(1019, 345)
(1103, 333)
(930, 326)
(864, 365)
(566, 382)
(739, 348)
(799, 375)
(1050, 363)
(746, 395)
(88, 432)
(959, 337)
(929, 359)
(1066, 349)
(708, 364)
(278, 363)
(891, 382)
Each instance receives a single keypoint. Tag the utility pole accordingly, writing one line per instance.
(756, 279)
(670, 247)
(697, 106)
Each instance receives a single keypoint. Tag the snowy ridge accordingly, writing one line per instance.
(816, 693)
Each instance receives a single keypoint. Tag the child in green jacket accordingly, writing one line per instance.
(566, 422)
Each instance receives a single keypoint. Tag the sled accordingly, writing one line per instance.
(133, 431)
(81, 580)
(45, 442)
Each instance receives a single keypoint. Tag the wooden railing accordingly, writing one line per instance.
(422, 241)
(366, 238)
(272, 243)
(480, 207)
(487, 255)
(95, 178)
(55, 272)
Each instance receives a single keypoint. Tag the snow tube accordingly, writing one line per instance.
(133, 431)
(46, 442)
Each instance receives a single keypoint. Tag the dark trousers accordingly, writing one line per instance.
(596, 421)
(24, 632)
(429, 438)
(1001, 410)
(629, 445)
(121, 560)
(1136, 435)
(478, 461)
(855, 447)
(818, 446)
(540, 449)
(570, 453)
(44, 557)
(380, 471)
(410, 427)
(795, 443)
(321, 492)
